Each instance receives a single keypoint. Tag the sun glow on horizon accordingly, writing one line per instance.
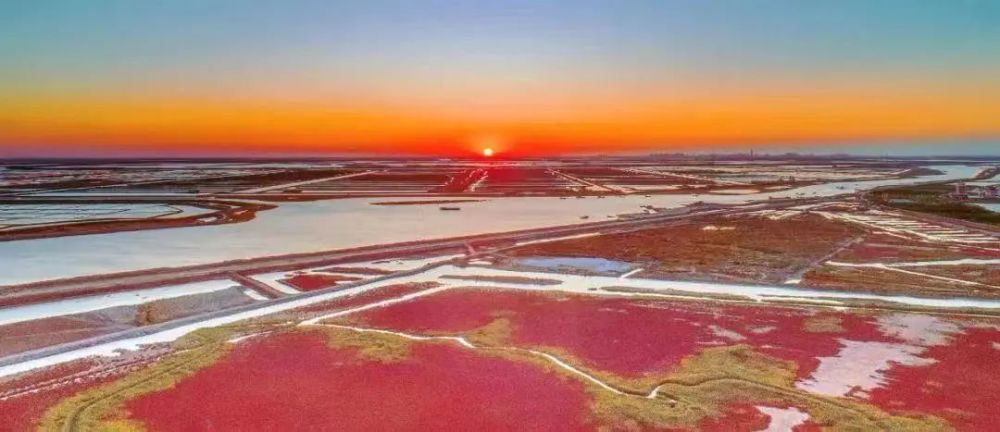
(332, 78)
(487, 145)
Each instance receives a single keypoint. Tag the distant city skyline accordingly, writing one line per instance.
(255, 78)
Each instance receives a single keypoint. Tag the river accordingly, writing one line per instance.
(334, 224)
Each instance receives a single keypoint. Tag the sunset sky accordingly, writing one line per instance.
(207, 77)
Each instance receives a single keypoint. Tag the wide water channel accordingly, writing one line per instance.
(335, 224)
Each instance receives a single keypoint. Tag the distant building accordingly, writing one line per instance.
(976, 192)
(961, 189)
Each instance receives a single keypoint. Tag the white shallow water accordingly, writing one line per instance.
(903, 326)
(326, 225)
(593, 285)
(30, 214)
(862, 365)
(116, 347)
(87, 304)
(783, 419)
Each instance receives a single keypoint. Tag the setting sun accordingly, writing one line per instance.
(488, 152)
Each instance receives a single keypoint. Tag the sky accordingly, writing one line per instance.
(254, 77)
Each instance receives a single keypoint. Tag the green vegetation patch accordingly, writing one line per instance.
(497, 333)
(704, 384)
(823, 324)
(370, 346)
(934, 199)
(122, 426)
(101, 408)
(956, 210)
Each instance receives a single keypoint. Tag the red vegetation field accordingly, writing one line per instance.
(746, 418)
(980, 252)
(21, 411)
(960, 387)
(629, 337)
(739, 417)
(314, 281)
(296, 382)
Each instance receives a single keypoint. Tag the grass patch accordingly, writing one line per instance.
(823, 324)
(497, 333)
(703, 385)
(955, 210)
(101, 408)
(370, 346)
(934, 199)
(699, 388)
(122, 426)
